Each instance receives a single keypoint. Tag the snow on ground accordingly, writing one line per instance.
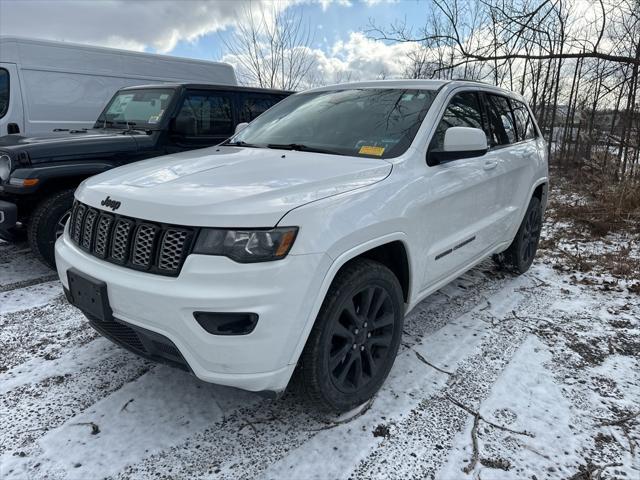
(540, 372)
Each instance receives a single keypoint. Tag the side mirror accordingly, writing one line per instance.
(460, 142)
(241, 126)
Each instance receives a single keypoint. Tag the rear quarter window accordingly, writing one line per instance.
(524, 122)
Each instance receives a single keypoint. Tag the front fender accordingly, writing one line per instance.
(45, 174)
(331, 273)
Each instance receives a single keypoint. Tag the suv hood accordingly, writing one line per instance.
(229, 186)
(60, 146)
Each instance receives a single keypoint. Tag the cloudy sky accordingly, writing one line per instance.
(197, 28)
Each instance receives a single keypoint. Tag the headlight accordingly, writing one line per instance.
(5, 167)
(246, 246)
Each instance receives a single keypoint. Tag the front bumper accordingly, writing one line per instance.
(282, 293)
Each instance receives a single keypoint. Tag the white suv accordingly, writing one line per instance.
(300, 243)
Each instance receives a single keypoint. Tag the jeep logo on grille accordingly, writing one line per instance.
(112, 204)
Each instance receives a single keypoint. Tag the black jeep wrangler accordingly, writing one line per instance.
(39, 175)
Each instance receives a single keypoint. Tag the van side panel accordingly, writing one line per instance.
(66, 100)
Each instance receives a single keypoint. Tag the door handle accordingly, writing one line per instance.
(490, 164)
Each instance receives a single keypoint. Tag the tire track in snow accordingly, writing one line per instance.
(419, 444)
(47, 331)
(19, 268)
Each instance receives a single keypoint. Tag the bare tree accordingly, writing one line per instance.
(272, 48)
(578, 65)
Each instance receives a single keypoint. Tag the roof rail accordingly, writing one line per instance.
(472, 81)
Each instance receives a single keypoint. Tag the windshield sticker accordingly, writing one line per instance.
(155, 118)
(368, 150)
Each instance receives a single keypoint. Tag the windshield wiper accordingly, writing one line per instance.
(240, 144)
(299, 147)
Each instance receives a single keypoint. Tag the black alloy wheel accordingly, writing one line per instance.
(520, 254)
(355, 338)
(361, 337)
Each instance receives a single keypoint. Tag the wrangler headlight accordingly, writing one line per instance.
(246, 246)
(5, 167)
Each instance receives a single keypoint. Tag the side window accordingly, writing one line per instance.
(206, 114)
(253, 105)
(463, 111)
(524, 123)
(502, 130)
(4, 92)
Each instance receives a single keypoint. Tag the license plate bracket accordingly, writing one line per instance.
(89, 295)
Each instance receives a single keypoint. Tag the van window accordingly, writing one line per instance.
(463, 111)
(210, 114)
(253, 105)
(502, 129)
(4, 92)
(524, 122)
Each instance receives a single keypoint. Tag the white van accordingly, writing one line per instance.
(46, 85)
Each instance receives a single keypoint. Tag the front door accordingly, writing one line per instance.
(459, 217)
(204, 119)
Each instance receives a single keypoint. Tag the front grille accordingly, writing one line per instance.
(121, 333)
(141, 341)
(133, 243)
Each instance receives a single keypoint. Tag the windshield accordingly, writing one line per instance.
(359, 122)
(135, 108)
(4, 92)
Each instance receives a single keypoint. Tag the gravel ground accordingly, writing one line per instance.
(498, 377)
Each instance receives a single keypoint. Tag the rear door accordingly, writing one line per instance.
(205, 117)
(459, 218)
(512, 138)
(11, 109)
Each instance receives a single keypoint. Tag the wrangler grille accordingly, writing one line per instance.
(133, 243)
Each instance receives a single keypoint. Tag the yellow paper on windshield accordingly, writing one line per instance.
(366, 150)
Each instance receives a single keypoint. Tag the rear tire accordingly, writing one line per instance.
(47, 224)
(520, 254)
(355, 339)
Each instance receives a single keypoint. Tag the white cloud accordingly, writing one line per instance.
(129, 24)
(357, 58)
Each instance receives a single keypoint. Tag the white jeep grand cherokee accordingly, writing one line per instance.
(301, 242)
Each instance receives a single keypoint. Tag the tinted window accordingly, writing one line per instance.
(4, 92)
(209, 114)
(502, 129)
(463, 111)
(374, 122)
(253, 105)
(524, 123)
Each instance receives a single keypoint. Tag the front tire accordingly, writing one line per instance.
(520, 254)
(47, 224)
(355, 339)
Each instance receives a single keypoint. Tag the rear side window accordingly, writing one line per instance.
(524, 122)
(253, 105)
(502, 129)
(209, 114)
(4, 92)
(463, 111)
